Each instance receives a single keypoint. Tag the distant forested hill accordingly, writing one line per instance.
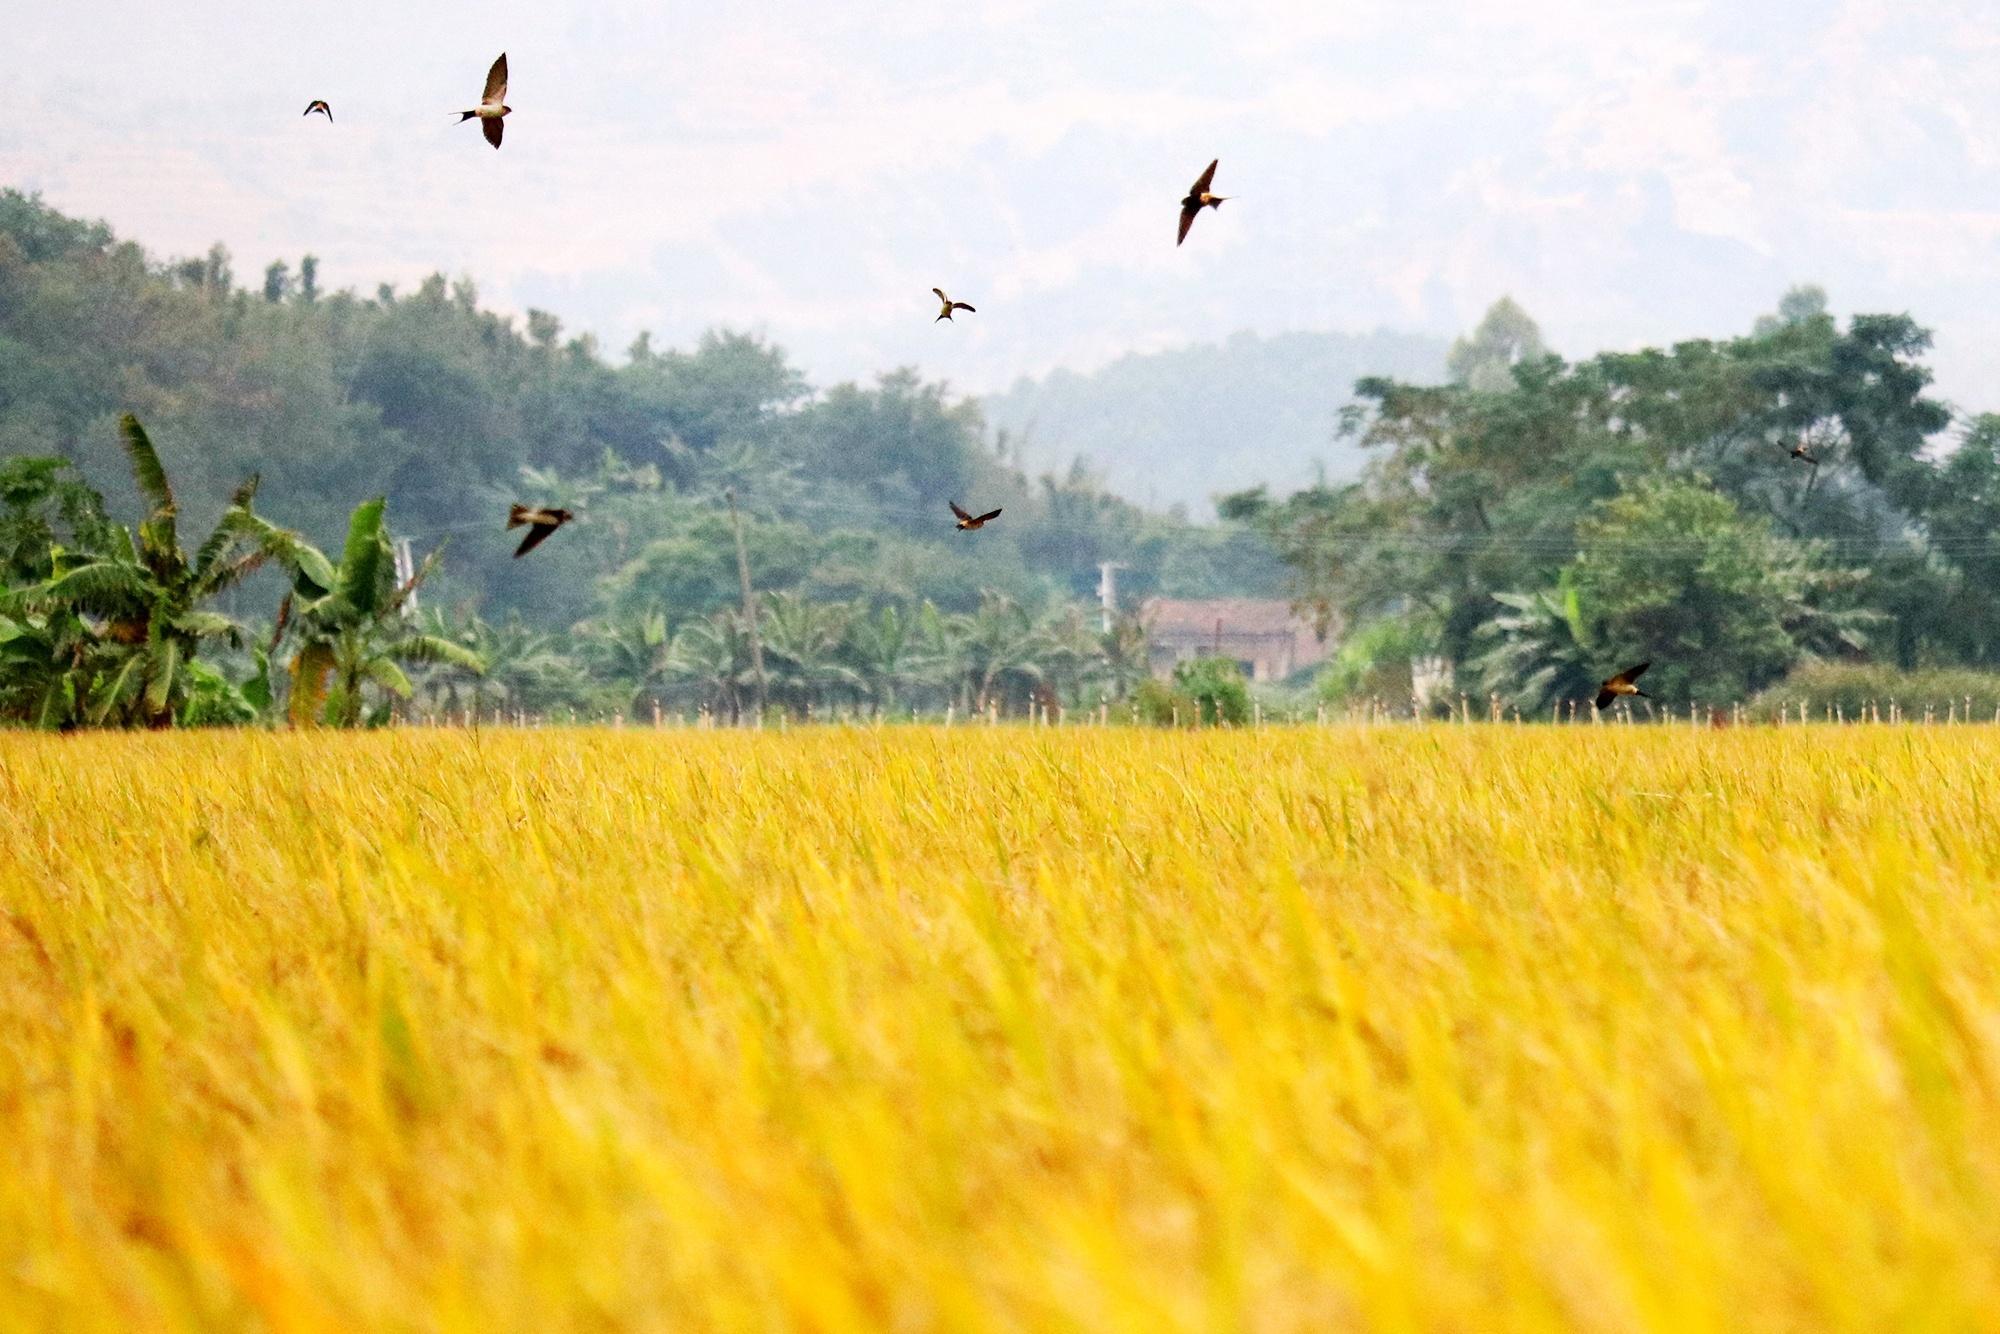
(1184, 426)
(452, 410)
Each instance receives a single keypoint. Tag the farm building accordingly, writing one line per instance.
(1263, 635)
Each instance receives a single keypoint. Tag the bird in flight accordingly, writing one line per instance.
(317, 105)
(540, 523)
(968, 523)
(949, 305)
(1622, 684)
(1803, 452)
(1199, 198)
(492, 103)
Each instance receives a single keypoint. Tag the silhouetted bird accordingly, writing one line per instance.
(970, 523)
(1804, 452)
(949, 305)
(1199, 198)
(540, 522)
(1621, 684)
(319, 106)
(492, 103)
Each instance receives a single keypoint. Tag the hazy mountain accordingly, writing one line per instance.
(1184, 426)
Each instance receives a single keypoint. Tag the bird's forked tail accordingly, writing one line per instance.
(516, 515)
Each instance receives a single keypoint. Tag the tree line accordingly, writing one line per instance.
(1732, 509)
(108, 624)
(454, 411)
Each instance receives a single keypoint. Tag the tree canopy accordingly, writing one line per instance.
(1727, 507)
(453, 410)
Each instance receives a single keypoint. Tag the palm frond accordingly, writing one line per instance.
(227, 530)
(225, 576)
(146, 469)
(101, 587)
(434, 649)
(206, 625)
(151, 478)
(288, 548)
(110, 692)
(364, 558)
(166, 662)
(390, 677)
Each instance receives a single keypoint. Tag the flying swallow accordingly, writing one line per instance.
(968, 523)
(1803, 452)
(317, 105)
(492, 103)
(949, 305)
(1621, 684)
(1199, 198)
(540, 523)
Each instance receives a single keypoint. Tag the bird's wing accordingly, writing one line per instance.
(959, 512)
(960, 305)
(492, 128)
(1187, 221)
(1631, 674)
(941, 296)
(537, 534)
(496, 83)
(988, 517)
(1604, 698)
(1206, 179)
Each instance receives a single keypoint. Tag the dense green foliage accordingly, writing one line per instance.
(1850, 691)
(452, 411)
(1519, 532)
(110, 629)
(1536, 524)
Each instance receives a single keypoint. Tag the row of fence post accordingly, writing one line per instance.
(1372, 712)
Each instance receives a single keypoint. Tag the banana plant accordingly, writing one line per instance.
(40, 657)
(351, 632)
(145, 596)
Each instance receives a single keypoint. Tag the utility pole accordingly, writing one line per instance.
(406, 570)
(749, 604)
(1107, 590)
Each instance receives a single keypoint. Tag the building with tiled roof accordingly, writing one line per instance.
(1263, 636)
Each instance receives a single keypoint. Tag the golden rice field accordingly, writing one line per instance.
(1451, 1027)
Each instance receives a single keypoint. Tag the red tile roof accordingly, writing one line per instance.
(1239, 616)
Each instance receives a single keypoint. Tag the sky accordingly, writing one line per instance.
(1632, 171)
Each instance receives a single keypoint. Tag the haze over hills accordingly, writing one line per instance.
(1183, 426)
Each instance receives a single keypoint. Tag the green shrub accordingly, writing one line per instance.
(1160, 705)
(1375, 661)
(1216, 685)
(1853, 688)
(212, 701)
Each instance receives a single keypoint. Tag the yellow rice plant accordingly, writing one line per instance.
(1434, 1027)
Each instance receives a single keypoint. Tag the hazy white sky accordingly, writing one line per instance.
(1633, 171)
